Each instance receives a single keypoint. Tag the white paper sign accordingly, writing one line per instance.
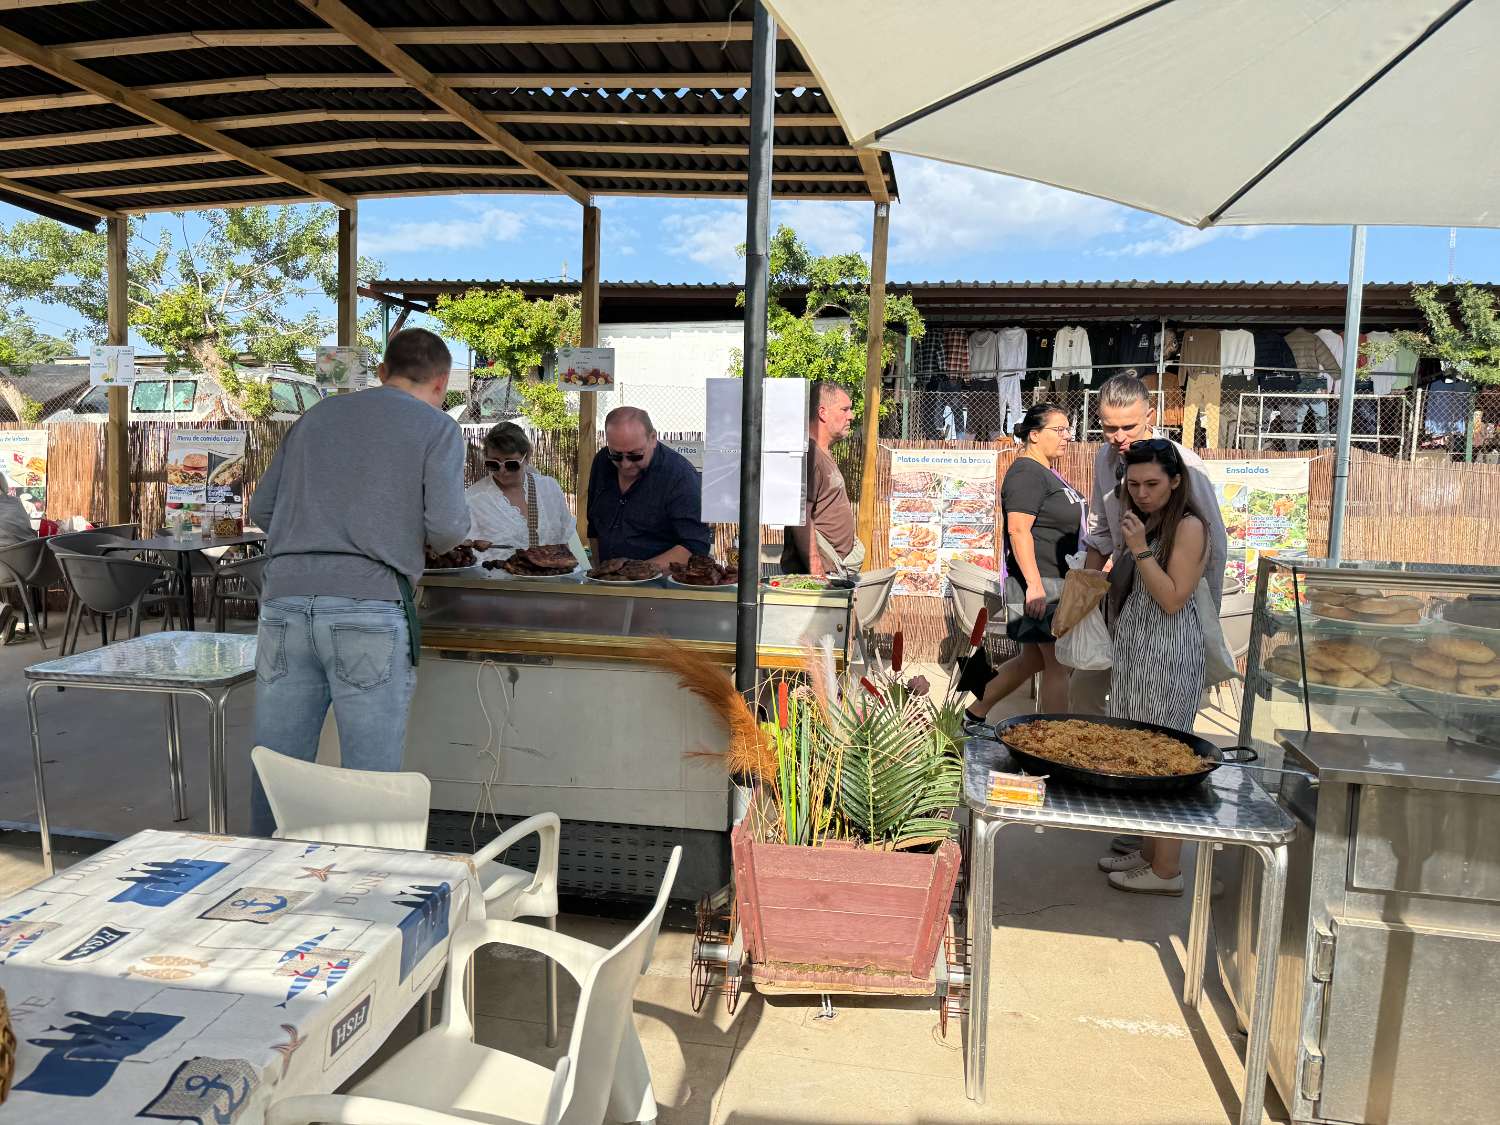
(111, 365)
(337, 368)
(692, 450)
(783, 451)
(585, 369)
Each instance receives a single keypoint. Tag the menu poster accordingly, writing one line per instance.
(943, 508)
(206, 478)
(23, 461)
(337, 368)
(1264, 504)
(111, 365)
(585, 369)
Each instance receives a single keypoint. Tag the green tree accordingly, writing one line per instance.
(21, 344)
(514, 333)
(205, 299)
(1470, 345)
(836, 285)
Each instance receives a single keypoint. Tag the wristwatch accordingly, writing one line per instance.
(1141, 556)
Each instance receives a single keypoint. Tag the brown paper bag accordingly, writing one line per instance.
(1082, 591)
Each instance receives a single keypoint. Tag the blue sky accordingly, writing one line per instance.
(952, 223)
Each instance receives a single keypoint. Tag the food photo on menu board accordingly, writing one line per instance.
(585, 369)
(942, 509)
(1264, 505)
(206, 481)
(23, 462)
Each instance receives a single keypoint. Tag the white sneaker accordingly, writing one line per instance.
(1127, 862)
(1144, 881)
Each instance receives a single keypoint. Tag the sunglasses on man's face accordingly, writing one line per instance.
(631, 457)
(511, 466)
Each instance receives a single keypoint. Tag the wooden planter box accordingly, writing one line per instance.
(851, 919)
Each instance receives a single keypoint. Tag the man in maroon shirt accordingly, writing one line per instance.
(825, 544)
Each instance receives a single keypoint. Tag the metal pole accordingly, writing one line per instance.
(117, 428)
(762, 98)
(1352, 303)
(874, 357)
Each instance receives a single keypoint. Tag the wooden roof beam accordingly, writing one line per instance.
(869, 162)
(45, 58)
(379, 47)
(41, 194)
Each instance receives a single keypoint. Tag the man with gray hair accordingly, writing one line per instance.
(1126, 415)
(15, 521)
(825, 543)
(645, 499)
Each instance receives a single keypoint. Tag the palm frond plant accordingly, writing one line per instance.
(874, 761)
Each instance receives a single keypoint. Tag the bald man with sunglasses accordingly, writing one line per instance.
(645, 498)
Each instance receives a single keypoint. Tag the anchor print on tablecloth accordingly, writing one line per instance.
(425, 925)
(207, 1091)
(81, 1065)
(255, 904)
(161, 883)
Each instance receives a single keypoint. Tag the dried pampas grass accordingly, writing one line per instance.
(748, 752)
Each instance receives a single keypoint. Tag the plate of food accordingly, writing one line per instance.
(1348, 665)
(554, 560)
(624, 572)
(702, 572)
(797, 582)
(1476, 611)
(464, 557)
(1445, 664)
(1365, 610)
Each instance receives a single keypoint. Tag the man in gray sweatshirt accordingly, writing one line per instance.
(359, 486)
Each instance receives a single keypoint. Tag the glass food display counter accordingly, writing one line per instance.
(1377, 685)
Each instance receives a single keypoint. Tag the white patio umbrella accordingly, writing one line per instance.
(1208, 112)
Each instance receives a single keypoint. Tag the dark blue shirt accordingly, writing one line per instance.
(662, 509)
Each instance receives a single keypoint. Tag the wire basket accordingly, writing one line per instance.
(7, 1049)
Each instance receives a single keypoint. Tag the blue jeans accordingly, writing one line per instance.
(315, 650)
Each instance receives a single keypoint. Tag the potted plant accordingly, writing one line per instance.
(845, 863)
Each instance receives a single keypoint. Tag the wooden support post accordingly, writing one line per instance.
(588, 424)
(874, 353)
(117, 432)
(348, 298)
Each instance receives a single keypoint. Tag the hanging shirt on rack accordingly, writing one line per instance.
(1104, 348)
(1136, 351)
(1038, 358)
(956, 352)
(1012, 348)
(1071, 356)
(1273, 359)
(1237, 352)
(1311, 354)
(1335, 345)
(984, 353)
(1382, 371)
(927, 355)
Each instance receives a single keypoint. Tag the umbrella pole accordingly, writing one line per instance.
(762, 98)
(1352, 303)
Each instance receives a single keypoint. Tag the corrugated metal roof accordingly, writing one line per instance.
(272, 75)
(396, 285)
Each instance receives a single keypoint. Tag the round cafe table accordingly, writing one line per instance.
(182, 549)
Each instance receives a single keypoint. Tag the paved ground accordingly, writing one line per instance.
(1086, 1024)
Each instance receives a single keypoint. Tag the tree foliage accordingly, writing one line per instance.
(203, 298)
(1470, 345)
(515, 333)
(836, 285)
(22, 345)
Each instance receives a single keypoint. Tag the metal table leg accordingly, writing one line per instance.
(982, 833)
(1197, 945)
(218, 783)
(550, 977)
(41, 789)
(174, 757)
(1267, 948)
(185, 583)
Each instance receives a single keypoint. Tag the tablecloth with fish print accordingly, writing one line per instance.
(186, 977)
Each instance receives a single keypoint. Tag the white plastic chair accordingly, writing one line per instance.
(389, 810)
(971, 588)
(444, 1078)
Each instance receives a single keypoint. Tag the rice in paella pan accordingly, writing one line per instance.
(1094, 746)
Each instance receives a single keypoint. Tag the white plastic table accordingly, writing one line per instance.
(194, 977)
(1228, 808)
(207, 665)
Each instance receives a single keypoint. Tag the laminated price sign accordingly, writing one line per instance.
(586, 369)
(943, 507)
(111, 365)
(337, 369)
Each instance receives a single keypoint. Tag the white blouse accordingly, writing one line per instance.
(493, 517)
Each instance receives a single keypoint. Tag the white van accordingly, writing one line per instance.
(188, 397)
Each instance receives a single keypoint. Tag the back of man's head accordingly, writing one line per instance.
(418, 356)
(1122, 390)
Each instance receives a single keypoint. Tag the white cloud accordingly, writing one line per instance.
(1166, 237)
(707, 236)
(490, 224)
(949, 213)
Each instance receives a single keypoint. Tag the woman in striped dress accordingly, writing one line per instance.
(1158, 639)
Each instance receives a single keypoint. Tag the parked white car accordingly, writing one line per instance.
(188, 397)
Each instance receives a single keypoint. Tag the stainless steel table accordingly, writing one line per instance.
(206, 665)
(183, 550)
(1229, 808)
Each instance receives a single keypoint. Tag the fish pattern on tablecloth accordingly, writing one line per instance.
(179, 977)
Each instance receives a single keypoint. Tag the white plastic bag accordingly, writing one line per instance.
(1087, 647)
